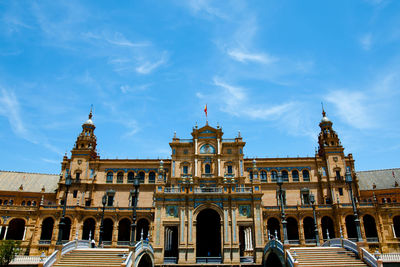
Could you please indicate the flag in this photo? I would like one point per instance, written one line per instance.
(205, 110)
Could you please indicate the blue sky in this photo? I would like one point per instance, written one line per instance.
(149, 67)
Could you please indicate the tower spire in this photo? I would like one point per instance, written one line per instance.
(323, 111)
(91, 113)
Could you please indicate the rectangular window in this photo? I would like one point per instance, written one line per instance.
(230, 169)
(185, 169)
(78, 176)
(87, 203)
(283, 197)
(306, 198)
(110, 201)
(75, 193)
(340, 191)
(338, 175)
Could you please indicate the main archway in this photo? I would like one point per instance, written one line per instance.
(208, 234)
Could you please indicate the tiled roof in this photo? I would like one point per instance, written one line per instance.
(383, 179)
(31, 182)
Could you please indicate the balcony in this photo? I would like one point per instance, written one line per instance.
(207, 175)
(244, 190)
(208, 190)
(172, 190)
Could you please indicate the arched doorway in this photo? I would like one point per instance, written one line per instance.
(47, 229)
(145, 261)
(273, 260)
(171, 243)
(309, 233)
(124, 231)
(88, 229)
(16, 229)
(351, 227)
(67, 229)
(396, 225)
(370, 228)
(327, 226)
(108, 231)
(142, 225)
(293, 230)
(208, 234)
(273, 228)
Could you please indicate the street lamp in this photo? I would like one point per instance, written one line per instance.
(279, 181)
(103, 201)
(136, 184)
(349, 181)
(312, 200)
(61, 225)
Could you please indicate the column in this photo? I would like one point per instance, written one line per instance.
(195, 167)
(219, 167)
(218, 146)
(301, 232)
(23, 237)
(5, 233)
(195, 146)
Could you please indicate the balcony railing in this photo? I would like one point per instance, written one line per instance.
(208, 260)
(229, 175)
(172, 190)
(207, 175)
(372, 240)
(44, 242)
(244, 190)
(123, 243)
(208, 190)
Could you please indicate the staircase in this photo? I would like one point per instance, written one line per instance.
(93, 257)
(325, 257)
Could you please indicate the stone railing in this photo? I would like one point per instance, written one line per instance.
(26, 260)
(391, 257)
(172, 190)
(289, 259)
(128, 261)
(244, 190)
(49, 261)
(208, 190)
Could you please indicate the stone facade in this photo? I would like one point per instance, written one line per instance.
(208, 200)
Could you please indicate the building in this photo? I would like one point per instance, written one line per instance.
(208, 200)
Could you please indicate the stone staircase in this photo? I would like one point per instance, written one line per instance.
(93, 257)
(325, 257)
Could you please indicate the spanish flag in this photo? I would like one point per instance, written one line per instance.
(205, 110)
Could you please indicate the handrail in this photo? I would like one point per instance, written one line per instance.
(369, 258)
(274, 244)
(71, 245)
(290, 260)
(49, 261)
(128, 261)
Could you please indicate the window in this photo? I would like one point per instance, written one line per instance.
(295, 175)
(152, 177)
(305, 196)
(185, 151)
(78, 176)
(173, 151)
(251, 175)
(110, 200)
(274, 175)
(185, 169)
(285, 176)
(340, 191)
(207, 168)
(229, 151)
(120, 177)
(1, 202)
(87, 203)
(306, 176)
(141, 177)
(263, 176)
(230, 169)
(109, 178)
(75, 193)
(283, 196)
(240, 151)
(338, 175)
(29, 202)
(130, 177)
(207, 149)
(23, 203)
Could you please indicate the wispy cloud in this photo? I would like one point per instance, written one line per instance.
(206, 7)
(148, 67)
(10, 108)
(244, 57)
(366, 41)
(130, 89)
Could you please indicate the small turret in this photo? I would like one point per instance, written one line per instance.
(86, 141)
(328, 138)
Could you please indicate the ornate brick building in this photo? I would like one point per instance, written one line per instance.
(207, 201)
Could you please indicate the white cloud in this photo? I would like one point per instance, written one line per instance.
(147, 67)
(206, 7)
(10, 108)
(130, 89)
(366, 41)
(352, 108)
(243, 56)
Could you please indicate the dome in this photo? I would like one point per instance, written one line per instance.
(325, 119)
(89, 121)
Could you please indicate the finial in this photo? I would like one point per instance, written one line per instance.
(91, 113)
(239, 134)
(196, 125)
(323, 111)
(217, 124)
(174, 134)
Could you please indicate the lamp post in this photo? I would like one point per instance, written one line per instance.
(279, 181)
(61, 225)
(349, 181)
(103, 201)
(312, 200)
(136, 184)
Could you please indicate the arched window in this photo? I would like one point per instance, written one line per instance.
(131, 175)
(47, 229)
(34, 203)
(274, 175)
(109, 178)
(120, 177)
(295, 175)
(23, 203)
(141, 177)
(263, 176)
(306, 175)
(229, 169)
(27, 203)
(1, 201)
(152, 177)
(285, 176)
(207, 168)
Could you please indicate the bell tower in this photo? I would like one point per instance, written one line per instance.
(328, 139)
(86, 141)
